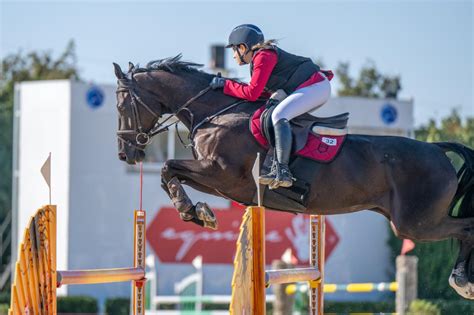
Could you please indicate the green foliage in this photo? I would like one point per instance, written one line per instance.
(370, 83)
(117, 306)
(454, 307)
(438, 259)
(4, 309)
(451, 128)
(78, 304)
(438, 307)
(423, 307)
(5, 297)
(25, 67)
(358, 307)
(16, 68)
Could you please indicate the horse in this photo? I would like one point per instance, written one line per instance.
(412, 183)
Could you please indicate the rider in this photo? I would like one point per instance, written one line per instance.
(273, 69)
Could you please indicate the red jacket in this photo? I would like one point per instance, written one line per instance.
(263, 63)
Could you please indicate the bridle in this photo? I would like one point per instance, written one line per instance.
(143, 137)
(125, 85)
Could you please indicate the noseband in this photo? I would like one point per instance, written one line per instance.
(142, 137)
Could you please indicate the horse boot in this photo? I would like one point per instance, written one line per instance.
(283, 141)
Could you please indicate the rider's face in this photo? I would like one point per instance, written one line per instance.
(247, 57)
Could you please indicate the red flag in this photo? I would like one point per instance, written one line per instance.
(407, 246)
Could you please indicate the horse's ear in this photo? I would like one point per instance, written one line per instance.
(130, 67)
(118, 71)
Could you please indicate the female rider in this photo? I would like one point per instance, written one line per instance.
(273, 69)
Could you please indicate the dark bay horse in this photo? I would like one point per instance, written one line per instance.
(412, 183)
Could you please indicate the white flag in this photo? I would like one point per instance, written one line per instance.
(46, 170)
(256, 175)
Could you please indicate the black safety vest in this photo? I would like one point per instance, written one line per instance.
(289, 72)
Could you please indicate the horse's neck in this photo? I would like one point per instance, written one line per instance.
(205, 106)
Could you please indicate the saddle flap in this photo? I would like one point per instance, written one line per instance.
(335, 122)
(306, 123)
(320, 130)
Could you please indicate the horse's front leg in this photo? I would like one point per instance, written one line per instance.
(174, 173)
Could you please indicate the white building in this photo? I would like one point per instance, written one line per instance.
(96, 193)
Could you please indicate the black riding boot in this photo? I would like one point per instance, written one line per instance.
(280, 174)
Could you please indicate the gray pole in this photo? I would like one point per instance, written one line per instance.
(15, 177)
(407, 279)
(283, 303)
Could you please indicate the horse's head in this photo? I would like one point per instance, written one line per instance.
(166, 86)
(139, 109)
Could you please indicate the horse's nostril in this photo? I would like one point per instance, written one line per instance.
(122, 156)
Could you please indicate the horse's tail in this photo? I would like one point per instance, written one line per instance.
(464, 196)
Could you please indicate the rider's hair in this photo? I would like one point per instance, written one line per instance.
(268, 44)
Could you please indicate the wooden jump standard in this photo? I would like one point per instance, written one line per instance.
(36, 277)
(250, 278)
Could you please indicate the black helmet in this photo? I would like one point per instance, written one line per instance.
(247, 34)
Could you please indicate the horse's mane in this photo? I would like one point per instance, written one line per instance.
(170, 64)
(174, 65)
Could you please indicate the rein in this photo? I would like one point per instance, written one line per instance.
(158, 127)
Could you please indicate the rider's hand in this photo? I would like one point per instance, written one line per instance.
(217, 83)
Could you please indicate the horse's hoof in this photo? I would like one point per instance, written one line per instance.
(459, 275)
(458, 280)
(186, 216)
(204, 213)
(466, 292)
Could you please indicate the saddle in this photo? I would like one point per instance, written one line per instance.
(316, 141)
(317, 138)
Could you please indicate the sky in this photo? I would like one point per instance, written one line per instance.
(428, 43)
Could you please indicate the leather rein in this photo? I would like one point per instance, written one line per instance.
(143, 137)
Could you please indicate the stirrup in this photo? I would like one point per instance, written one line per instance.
(270, 177)
(284, 177)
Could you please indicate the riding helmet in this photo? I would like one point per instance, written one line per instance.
(247, 34)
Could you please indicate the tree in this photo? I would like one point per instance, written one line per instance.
(370, 83)
(24, 67)
(452, 128)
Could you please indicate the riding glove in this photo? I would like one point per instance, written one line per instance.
(217, 83)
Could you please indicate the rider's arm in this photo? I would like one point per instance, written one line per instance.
(263, 64)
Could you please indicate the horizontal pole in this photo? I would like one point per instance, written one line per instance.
(291, 275)
(100, 276)
(349, 287)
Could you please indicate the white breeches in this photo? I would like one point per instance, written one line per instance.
(302, 101)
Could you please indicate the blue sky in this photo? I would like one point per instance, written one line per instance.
(428, 43)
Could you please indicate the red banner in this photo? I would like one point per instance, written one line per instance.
(176, 241)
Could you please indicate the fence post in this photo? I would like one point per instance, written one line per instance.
(407, 279)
